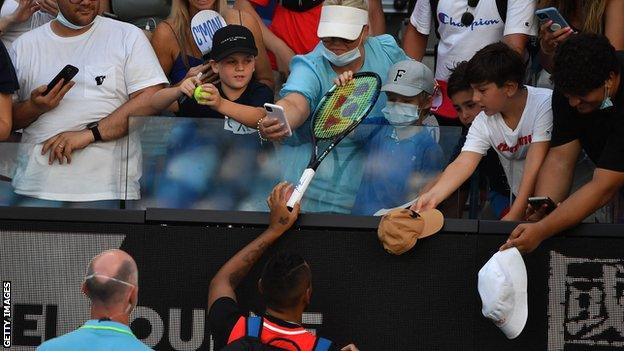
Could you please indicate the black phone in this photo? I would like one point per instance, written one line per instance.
(67, 73)
(538, 202)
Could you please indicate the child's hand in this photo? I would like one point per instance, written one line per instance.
(188, 86)
(344, 78)
(210, 96)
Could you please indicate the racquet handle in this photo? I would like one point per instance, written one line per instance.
(297, 194)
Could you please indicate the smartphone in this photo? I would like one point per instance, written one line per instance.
(551, 13)
(277, 111)
(67, 73)
(538, 201)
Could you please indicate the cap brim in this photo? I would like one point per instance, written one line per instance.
(516, 322)
(228, 52)
(401, 89)
(433, 219)
(512, 259)
(339, 30)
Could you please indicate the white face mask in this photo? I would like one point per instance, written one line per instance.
(400, 114)
(344, 59)
(606, 102)
(65, 22)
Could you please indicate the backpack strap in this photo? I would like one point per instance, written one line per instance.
(254, 327)
(322, 344)
(501, 5)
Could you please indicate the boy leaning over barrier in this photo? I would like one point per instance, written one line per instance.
(516, 120)
(404, 154)
(237, 95)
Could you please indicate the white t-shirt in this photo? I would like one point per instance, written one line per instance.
(512, 145)
(13, 32)
(115, 59)
(459, 43)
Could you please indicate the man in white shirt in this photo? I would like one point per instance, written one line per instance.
(75, 146)
(463, 29)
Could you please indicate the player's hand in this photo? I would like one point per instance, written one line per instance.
(426, 201)
(526, 237)
(49, 6)
(550, 40)
(350, 347)
(188, 86)
(344, 78)
(49, 102)
(62, 145)
(273, 129)
(281, 219)
(24, 10)
(210, 96)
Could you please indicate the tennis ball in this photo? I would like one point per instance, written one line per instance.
(199, 94)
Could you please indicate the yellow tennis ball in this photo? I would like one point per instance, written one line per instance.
(199, 94)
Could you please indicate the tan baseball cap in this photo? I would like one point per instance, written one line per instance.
(400, 229)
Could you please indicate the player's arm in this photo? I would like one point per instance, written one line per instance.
(534, 159)
(451, 179)
(236, 268)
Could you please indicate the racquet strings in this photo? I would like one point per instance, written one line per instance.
(346, 106)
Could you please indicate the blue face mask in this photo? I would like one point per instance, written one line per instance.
(400, 114)
(65, 22)
(341, 60)
(606, 102)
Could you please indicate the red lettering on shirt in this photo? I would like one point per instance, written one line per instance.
(522, 140)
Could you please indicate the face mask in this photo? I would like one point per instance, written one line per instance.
(606, 102)
(65, 22)
(400, 114)
(341, 60)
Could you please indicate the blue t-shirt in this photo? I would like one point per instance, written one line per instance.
(392, 165)
(96, 335)
(337, 179)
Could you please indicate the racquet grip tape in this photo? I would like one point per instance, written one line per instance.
(301, 187)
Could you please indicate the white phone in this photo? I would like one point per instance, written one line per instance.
(277, 111)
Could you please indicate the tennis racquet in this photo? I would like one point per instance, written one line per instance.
(341, 109)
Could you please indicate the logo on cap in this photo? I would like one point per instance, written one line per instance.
(399, 74)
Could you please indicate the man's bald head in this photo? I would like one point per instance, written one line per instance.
(115, 264)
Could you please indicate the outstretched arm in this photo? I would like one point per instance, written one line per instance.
(233, 271)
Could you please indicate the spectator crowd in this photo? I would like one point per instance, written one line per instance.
(530, 95)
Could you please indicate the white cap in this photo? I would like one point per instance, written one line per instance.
(503, 290)
(341, 22)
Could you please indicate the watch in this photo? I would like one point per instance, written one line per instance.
(93, 127)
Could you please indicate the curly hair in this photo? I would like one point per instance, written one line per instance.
(583, 63)
(496, 63)
(285, 278)
(458, 80)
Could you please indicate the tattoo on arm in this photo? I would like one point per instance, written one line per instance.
(248, 261)
(283, 220)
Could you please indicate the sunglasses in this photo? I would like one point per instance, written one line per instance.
(467, 18)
